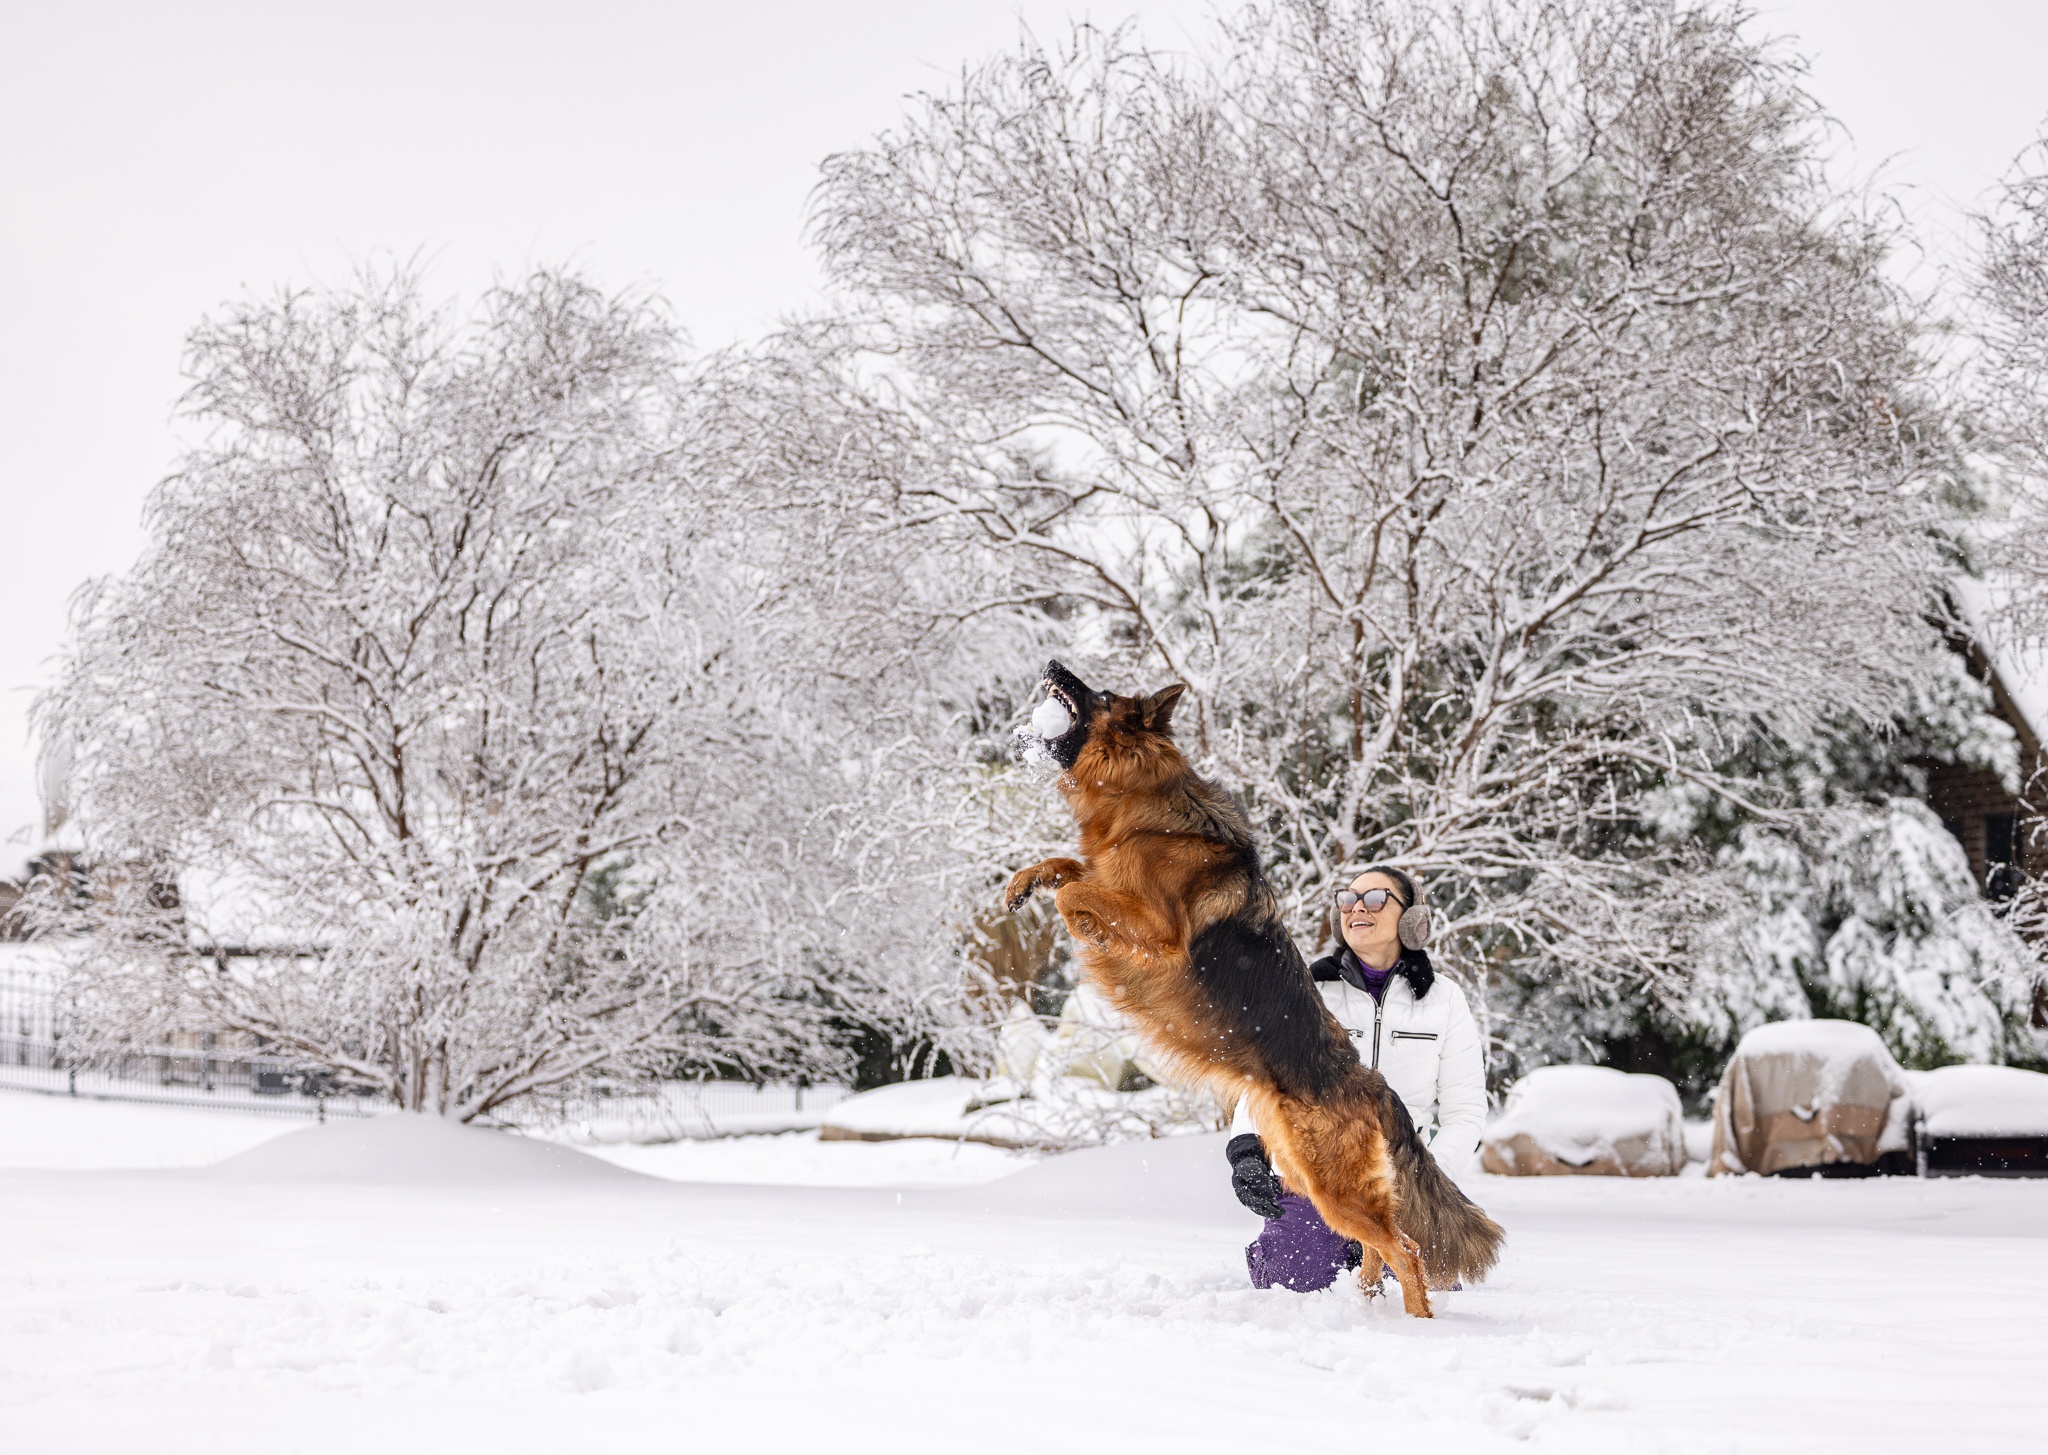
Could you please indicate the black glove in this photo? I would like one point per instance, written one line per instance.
(1251, 1175)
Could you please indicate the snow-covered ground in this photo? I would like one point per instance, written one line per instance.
(79, 1135)
(83, 1134)
(333, 1288)
(800, 1159)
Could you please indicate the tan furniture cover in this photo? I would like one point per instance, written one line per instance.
(1806, 1094)
(1521, 1156)
(1586, 1121)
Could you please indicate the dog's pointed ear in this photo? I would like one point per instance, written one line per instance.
(1159, 707)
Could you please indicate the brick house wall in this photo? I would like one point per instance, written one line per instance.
(1996, 826)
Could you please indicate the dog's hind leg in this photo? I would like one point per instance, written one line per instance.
(1365, 1211)
(1335, 1153)
(1385, 1243)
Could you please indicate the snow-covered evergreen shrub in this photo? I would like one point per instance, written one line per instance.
(1870, 914)
(1851, 901)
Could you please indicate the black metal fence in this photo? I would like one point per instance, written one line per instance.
(142, 1078)
(33, 1057)
(680, 1110)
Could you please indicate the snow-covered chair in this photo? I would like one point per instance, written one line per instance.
(1080, 1081)
(1988, 1120)
(1587, 1121)
(1090, 1040)
(1095, 1041)
(1020, 1040)
(1810, 1094)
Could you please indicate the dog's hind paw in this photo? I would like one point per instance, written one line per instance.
(1086, 926)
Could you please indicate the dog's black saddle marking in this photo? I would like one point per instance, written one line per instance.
(1259, 985)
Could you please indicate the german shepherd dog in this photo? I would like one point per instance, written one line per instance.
(1176, 923)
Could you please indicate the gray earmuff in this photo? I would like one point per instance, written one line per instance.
(1414, 924)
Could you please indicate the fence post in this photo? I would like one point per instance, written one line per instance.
(71, 1077)
(320, 1109)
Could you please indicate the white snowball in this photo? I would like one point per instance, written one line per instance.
(1050, 721)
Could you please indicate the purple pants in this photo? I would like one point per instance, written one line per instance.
(1296, 1250)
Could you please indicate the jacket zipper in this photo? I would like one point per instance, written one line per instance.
(1379, 1008)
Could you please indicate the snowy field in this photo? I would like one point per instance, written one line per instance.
(327, 1288)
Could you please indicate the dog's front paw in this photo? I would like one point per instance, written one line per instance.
(1022, 884)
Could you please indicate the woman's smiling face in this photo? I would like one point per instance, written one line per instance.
(1374, 934)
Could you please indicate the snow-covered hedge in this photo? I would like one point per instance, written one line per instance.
(1587, 1121)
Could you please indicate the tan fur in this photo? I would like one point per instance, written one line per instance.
(1166, 856)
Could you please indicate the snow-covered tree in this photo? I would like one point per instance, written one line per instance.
(1487, 407)
(463, 686)
(2007, 306)
(921, 677)
(2010, 313)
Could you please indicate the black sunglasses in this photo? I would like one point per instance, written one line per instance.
(1374, 900)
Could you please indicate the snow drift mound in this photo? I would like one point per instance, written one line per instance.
(408, 1150)
(1169, 1179)
(1588, 1121)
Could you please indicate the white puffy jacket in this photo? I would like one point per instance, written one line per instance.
(1426, 1047)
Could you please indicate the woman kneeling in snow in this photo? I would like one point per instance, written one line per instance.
(1414, 1029)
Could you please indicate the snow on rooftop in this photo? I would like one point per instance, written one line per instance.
(42, 959)
(235, 909)
(2021, 662)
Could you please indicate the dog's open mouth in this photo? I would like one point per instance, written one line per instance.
(1058, 726)
(1055, 715)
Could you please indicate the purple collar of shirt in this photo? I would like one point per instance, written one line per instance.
(1362, 975)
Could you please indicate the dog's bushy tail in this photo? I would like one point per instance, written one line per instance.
(1459, 1241)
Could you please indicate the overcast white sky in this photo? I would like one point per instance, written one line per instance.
(158, 159)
